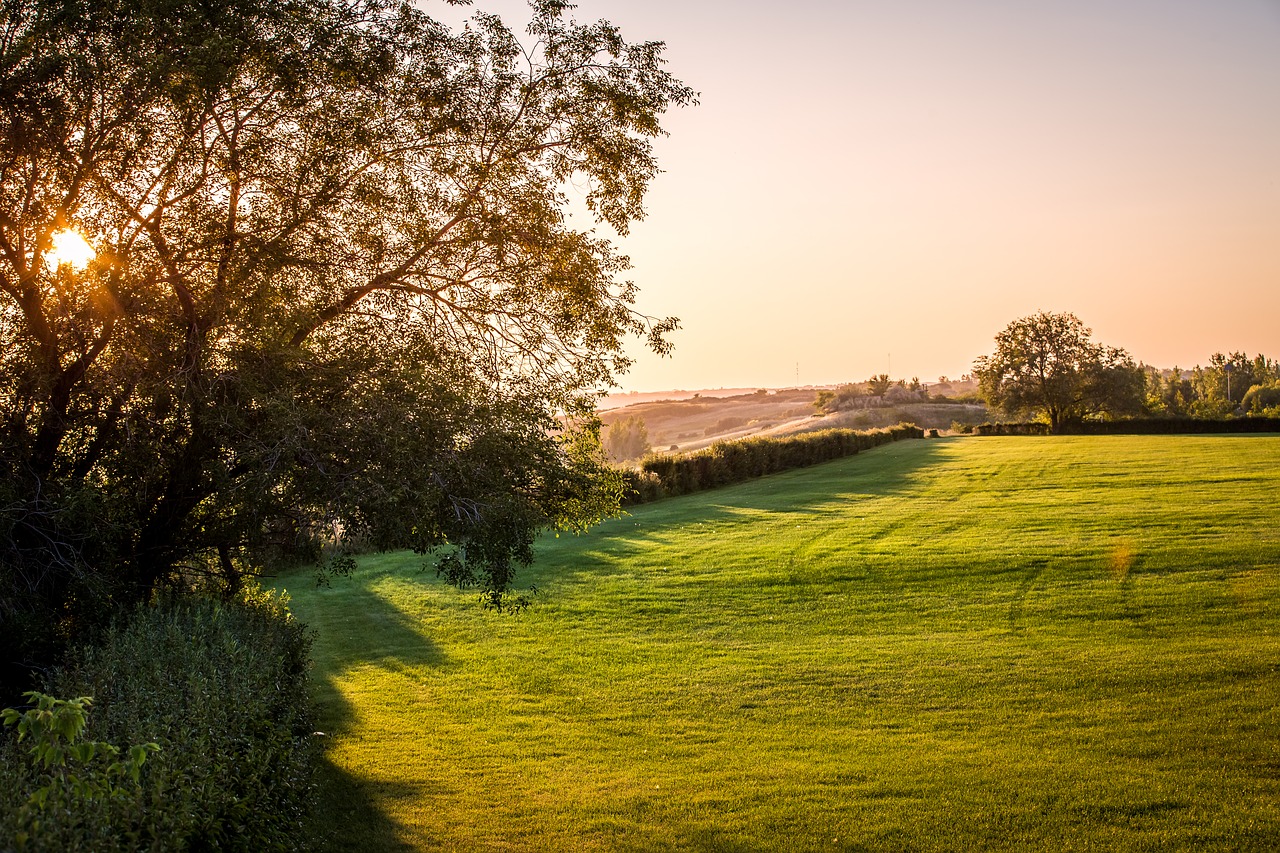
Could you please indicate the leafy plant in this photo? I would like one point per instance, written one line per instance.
(221, 687)
(72, 775)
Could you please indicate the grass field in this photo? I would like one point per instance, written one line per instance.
(1009, 643)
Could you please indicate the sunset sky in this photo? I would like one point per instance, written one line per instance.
(882, 186)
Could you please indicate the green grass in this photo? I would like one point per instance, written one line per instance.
(1059, 643)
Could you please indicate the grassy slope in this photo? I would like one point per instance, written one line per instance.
(1064, 643)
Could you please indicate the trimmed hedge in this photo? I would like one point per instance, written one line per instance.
(1030, 428)
(729, 462)
(222, 689)
(1139, 426)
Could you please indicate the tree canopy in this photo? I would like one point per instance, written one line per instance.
(1047, 365)
(627, 439)
(335, 292)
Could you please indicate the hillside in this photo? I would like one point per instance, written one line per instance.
(698, 420)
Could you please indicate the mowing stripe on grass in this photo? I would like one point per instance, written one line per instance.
(961, 643)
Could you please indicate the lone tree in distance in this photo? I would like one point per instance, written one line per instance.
(1047, 365)
(334, 288)
(627, 439)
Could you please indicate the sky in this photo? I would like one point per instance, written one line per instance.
(880, 187)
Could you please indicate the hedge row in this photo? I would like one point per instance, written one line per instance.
(729, 462)
(1138, 426)
(222, 690)
(1031, 428)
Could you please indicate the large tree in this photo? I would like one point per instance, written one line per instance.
(1048, 365)
(336, 290)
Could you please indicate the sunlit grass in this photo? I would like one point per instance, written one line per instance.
(1065, 643)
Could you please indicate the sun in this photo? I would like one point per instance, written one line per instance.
(70, 247)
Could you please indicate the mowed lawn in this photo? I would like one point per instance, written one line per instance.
(951, 644)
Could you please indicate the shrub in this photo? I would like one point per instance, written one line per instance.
(735, 461)
(81, 793)
(1028, 428)
(221, 688)
(1138, 426)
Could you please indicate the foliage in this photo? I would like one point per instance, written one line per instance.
(1171, 395)
(962, 644)
(222, 690)
(879, 385)
(728, 462)
(627, 439)
(1047, 365)
(841, 399)
(1228, 378)
(335, 295)
(1230, 386)
(1263, 400)
(86, 780)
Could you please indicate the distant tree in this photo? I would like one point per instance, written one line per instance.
(1169, 395)
(841, 399)
(1262, 400)
(1228, 378)
(878, 385)
(1265, 370)
(627, 439)
(1047, 365)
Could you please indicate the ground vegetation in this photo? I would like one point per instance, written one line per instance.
(190, 727)
(952, 644)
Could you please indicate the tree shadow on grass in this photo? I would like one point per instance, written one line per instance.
(362, 628)
(811, 490)
(348, 817)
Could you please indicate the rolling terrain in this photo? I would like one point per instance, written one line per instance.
(685, 422)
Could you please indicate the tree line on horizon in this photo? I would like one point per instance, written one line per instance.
(1047, 366)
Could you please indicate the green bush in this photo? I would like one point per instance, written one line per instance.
(221, 688)
(1138, 426)
(81, 794)
(735, 461)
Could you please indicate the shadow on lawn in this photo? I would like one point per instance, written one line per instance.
(368, 630)
(348, 818)
(813, 490)
(365, 630)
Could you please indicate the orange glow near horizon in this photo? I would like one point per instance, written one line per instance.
(910, 177)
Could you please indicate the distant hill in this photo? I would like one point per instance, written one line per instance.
(683, 421)
(631, 398)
